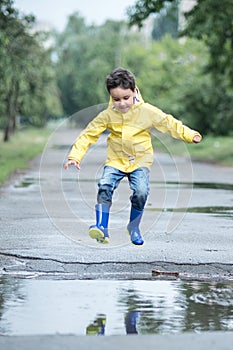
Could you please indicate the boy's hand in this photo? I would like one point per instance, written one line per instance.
(197, 139)
(72, 162)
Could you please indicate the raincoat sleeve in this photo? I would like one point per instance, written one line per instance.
(166, 123)
(88, 137)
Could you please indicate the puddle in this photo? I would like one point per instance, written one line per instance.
(113, 307)
(171, 184)
(213, 186)
(27, 182)
(60, 147)
(204, 185)
(221, 210)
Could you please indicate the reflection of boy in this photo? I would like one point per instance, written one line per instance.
(129, 152)
(131, 320)
(97, 327)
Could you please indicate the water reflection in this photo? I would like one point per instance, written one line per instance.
(97, 327)
(110, 307)
(131, 321)
(160, 306)
(10, 293)
(207, 314)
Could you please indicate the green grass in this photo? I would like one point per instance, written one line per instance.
(213, 149)
(20, 149)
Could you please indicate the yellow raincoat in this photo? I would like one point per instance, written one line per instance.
(129, 142)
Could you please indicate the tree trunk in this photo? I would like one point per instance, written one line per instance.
(6, 134)
(12, 100)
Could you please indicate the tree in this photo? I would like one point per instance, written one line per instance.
(86, 54)
(10, 29)
(211, 22)
(26, 70)
(143, 9)
(169, 75)
(166, 22)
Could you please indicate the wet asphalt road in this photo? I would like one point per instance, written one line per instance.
(215, 340)
(45, 214)
(187, 227)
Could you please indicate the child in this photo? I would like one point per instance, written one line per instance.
(129, 150)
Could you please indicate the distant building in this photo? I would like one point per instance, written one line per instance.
(45, 27)
(185, 6)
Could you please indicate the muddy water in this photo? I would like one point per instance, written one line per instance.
(113, 307)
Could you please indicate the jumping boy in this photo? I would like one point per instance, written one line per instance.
(129, 150)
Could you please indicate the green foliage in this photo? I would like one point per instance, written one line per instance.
(166, 22)
(143, 8)
(189, 78)
(166, 71)
(27, 76)
(210, 21)
(167, 74)
(85, 56)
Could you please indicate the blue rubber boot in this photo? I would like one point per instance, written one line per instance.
(133, 226)
(99, 231)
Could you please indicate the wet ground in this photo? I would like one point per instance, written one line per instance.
(187, 227)
(115, 308)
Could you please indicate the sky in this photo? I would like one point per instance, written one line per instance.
(56, 12)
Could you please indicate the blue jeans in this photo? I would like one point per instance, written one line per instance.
(138, 182)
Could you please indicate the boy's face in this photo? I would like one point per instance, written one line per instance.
(123, 99)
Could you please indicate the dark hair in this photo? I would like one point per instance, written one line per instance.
(120, 77)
